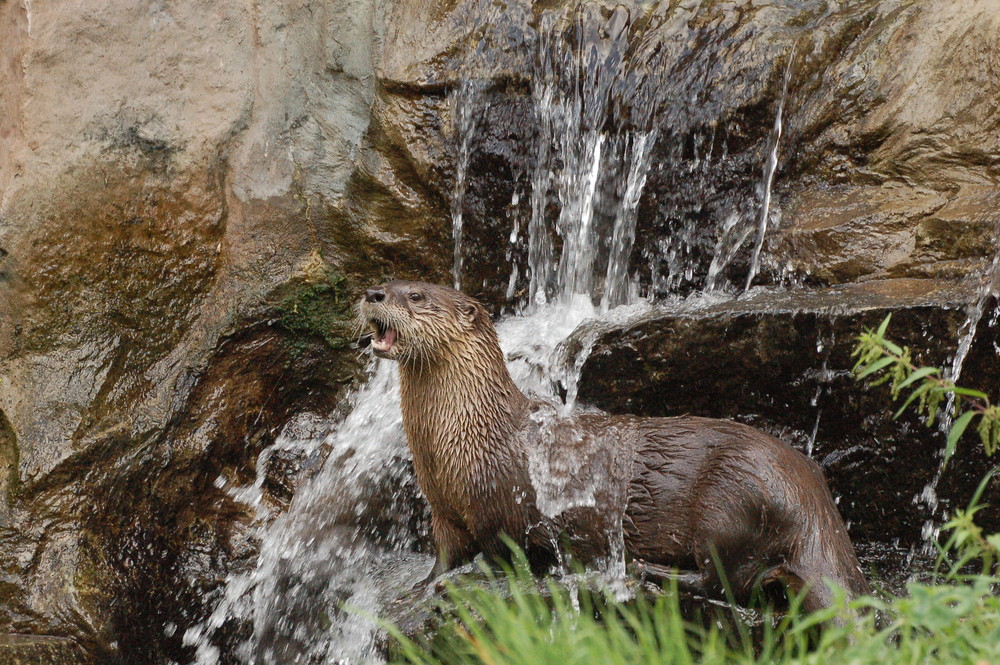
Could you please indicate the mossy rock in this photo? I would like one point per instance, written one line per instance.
(317, 303)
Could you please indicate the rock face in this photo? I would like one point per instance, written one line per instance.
(189, 205)
(191, 196)
(30, 650)
(882, 170)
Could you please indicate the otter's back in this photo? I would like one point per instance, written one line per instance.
(701, 482)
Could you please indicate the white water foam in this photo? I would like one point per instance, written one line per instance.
(314, 559)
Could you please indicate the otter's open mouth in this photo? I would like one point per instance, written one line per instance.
(383, 337)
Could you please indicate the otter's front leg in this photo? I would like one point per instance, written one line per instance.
(454, 545)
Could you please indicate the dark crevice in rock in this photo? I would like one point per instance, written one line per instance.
(8, 465)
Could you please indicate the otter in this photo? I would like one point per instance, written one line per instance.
(726, 502)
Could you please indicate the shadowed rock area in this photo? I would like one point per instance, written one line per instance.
(192, 196)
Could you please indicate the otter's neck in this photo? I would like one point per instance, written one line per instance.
(460, 411)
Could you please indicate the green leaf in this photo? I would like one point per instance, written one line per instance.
(919, 374)
(974, 504)
(989, 430)
(970, 393)
(957, 429)
(894, 349)
(885, 325)
(875, 367)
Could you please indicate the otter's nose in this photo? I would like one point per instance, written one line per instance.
(376, 294)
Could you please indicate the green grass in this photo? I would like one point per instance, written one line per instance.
(521, 624)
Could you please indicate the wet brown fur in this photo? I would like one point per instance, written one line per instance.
(696, 490)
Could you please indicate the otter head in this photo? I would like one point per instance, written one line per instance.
(415, 322)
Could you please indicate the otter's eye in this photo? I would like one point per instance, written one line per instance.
(416, 297)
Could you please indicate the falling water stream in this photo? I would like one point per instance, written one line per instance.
(313, 558)
(989, 287)
(465, 102)
(768, 181)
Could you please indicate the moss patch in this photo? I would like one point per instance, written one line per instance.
(318, 306)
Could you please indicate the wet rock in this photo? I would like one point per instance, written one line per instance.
(780, 361)
(180, 248)
(39, 650)
(915, 132)
(850, 234)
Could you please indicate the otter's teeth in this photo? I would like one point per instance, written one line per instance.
(385, 342)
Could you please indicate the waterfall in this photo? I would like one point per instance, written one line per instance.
(616, 282)
(576, 97)
(316, 558)
(323, 554)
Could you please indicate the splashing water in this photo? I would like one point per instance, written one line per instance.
(318, 557)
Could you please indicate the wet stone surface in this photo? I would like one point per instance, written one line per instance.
(39, 650)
